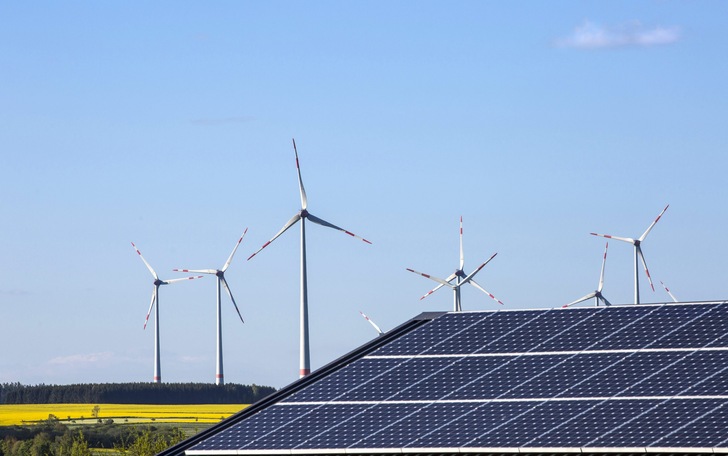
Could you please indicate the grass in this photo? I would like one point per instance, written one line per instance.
(25, 414)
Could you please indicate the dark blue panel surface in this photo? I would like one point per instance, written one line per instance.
(590, 423)
(649, 427)
(589, 377)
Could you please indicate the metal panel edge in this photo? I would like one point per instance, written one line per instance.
(181, 447)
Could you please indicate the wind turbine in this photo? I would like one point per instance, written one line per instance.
(302, 215)
(637, 254)
(155, 300)
(376, 328)
(220, 273)
(674, 299)
(461, 277)
(597, 294)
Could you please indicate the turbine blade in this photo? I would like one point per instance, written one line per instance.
(606, 303)
(431, 291)
(475, 284)
(601, 275)
(288, 224)
(321, 222)
(582, 299)
(370, 321)
(182, 279)
(300, 181)
(617, 238)
(472, 274)
(154, 295)
(462, 258)
(674, 299)
(197, 271)
(644, 263)
(230, 258)
(449, 279)
(647, 231)
(230, 293)
(436, 279)
(154, 274)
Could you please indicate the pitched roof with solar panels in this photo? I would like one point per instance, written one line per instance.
(620, 379)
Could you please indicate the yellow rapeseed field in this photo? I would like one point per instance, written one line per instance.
(11, 414)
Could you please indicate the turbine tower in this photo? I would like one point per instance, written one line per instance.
(220, 273)
(597, 294)
(302, 215)
(637, 243)
(155, 300)
(461, 277)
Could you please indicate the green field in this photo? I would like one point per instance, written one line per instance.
(25, 414)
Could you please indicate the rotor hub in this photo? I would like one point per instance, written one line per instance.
(304, 213)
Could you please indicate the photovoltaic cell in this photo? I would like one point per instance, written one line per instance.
(622, 376)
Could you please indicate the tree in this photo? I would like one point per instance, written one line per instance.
(80, 446)
(95, 411)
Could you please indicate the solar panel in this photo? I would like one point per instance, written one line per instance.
(648, 376)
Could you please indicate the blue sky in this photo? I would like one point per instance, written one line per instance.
(170, 125)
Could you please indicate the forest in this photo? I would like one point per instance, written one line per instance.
(133, 393)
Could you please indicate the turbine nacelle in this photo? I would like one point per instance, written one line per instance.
(638, 255)
(460, 274)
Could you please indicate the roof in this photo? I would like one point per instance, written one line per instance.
(620, 379)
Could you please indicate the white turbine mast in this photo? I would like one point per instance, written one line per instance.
(597, 294)
(155, 300)
(461, 277)
(638, 255)
(302, 215)
(220, 273)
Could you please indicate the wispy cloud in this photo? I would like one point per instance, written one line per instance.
(82, 358)
(189, 359)
(14, 292)
(594, 36)
(222, 120)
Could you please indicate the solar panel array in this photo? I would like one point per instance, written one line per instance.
(649, 376)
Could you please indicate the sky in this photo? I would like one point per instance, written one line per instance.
(169, 124)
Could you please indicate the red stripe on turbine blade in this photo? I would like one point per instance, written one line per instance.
(368, 242)
(349, 233)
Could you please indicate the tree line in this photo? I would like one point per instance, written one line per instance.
(53, 438)
(133, 393)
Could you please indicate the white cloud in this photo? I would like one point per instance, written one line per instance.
(82, 358)
(594, 36)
